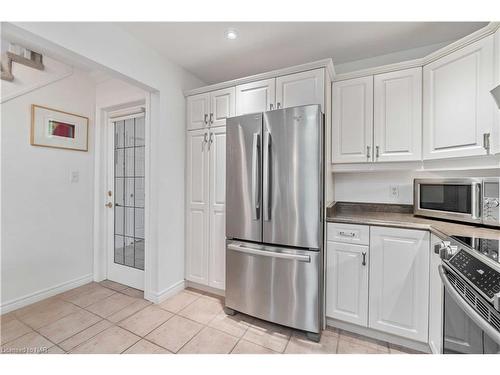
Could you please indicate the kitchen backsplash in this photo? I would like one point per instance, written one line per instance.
(390, 187)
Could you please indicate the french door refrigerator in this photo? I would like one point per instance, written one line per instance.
(274, 208)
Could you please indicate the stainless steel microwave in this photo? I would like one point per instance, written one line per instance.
(472, 200)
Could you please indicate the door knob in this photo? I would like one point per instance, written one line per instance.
(109, 205)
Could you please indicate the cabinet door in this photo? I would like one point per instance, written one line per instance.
(399, 282)
(198, 108)
(217, 251)
(458, 108)
(347, 282)
(301, 89)
(197, 220)
(435, 300)
(352, 120)
(255, 97)
(397, 127)
(222, 106)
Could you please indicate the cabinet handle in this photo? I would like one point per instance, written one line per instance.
(211, 118)
(205, 119)
(486, 142)
(368, 152)
(363, 262)
(349, 234)
(210, 141)
(271, 106)
(204, 142)
(278, 105)
(377, 151)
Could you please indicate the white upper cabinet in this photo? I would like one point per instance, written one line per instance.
(352, 120)
(217, 191)
(198, 109)
(347, 282)
(458, 108)
(301, 89)
(255, 96)
(399, 282)
(222, 106)
(397, 129)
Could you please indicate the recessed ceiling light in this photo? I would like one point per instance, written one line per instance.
(231, 34)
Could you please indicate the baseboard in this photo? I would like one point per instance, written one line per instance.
(205, 288)
(28, 299)
(166, 293)
(374, 334)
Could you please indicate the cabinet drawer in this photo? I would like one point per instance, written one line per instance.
(350, 233)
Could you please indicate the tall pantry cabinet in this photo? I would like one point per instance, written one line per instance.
(206, 179)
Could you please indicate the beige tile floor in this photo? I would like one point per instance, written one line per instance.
(108, 317)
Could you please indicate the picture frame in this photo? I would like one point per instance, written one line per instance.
(54, 128)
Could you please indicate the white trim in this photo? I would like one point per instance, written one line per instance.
(325, 63)
(166, 293)
(489, 29)
(205, 288)
(39, 85)
(452, 164)
(28, 299)
(378, 335)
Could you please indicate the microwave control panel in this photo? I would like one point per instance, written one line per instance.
(491, 202)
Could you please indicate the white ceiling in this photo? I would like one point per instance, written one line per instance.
(202, 48)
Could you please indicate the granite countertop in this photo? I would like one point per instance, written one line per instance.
(401, 216)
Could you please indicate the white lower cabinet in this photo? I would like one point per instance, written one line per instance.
(205, 222)
(347, 282)
(399, 282)
(383, 286)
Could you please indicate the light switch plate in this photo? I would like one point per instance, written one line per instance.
(75, 177)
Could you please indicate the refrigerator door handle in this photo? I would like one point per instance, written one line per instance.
(256, 176)
(272, 254)
(267, 177)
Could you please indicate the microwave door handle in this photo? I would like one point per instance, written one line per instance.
(476, 200)
(256, 177)
(467, 309)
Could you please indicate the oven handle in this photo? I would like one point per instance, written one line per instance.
(471, 313)
(272, 254)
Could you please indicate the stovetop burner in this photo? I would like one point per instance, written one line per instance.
(485, 246)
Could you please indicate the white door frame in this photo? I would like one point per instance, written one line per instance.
(102, 214)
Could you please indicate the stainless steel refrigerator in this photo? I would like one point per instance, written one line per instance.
(274, 210)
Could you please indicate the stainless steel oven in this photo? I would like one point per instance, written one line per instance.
(470, 273)
(472, 200)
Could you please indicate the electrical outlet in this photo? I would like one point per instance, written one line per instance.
(394, 191)
(75, 177)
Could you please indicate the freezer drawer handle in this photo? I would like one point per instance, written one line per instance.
(256, 177)
(271, 254)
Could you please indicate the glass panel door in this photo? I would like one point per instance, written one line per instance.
(129, 192)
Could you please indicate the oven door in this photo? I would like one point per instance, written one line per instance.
(451, 199)
(465, 331)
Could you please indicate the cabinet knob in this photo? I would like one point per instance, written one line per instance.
(278, 105)
(368, 154)
(486, 142)
(271, 106)
(109, 205)
(205, 118)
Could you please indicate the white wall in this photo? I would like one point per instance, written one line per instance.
(375, 186)
(46, 219)
(107, 46)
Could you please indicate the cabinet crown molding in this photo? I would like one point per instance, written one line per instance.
(489, 29)
(325, 63)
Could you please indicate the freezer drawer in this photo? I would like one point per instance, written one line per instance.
(277, 284)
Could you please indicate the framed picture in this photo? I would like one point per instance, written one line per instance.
(58, 129)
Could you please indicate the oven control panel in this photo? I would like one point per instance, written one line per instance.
(485, 278)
